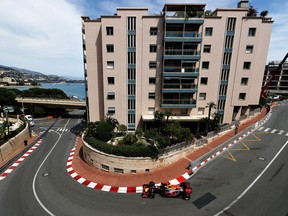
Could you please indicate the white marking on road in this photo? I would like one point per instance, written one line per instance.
(252, 184)
(34, 179)
(122, 190)
(273, 131)
(281, 132)
(260, 128)
(81, 180)
(267, 129)
(286, 134)
(174, 182)
(139, 189)
(92, 184)
(106, 188)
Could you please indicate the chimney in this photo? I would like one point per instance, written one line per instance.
(243, 4)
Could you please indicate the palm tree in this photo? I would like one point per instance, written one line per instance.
(210, 105)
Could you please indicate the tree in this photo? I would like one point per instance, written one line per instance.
(264, 13)
(210, 105)
(159, 120)
(122, 130)
(104, 131)
(111, 121)
(7, 96)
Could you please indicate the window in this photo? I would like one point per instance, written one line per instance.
(205, 65)
(244, 81)
(153, 48)
(247, 65)
(152, 80)
(249, 49)
(111, 96)
(207, 49)
(110, 80)
(252, 32)
(109, 30)
(202, 96)
(110, 64)
(152, 64)
(242, 96)
(153, 30)
(200, 111)
(204, 81)
(111, 110)
(151, 110)
(151, 95)
(110, 48)
(208, 31)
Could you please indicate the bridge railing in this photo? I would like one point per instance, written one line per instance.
(56, 101)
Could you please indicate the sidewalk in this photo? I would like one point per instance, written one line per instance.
(91, 174)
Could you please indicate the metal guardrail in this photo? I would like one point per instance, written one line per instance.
(63, 102)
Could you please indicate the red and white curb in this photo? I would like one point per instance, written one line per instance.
(20, 160)
(139, 189)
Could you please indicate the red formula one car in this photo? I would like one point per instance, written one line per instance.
(167, 190)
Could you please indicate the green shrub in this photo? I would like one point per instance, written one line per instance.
(104, 131)
(125, 150)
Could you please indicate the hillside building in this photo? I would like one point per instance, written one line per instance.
(176, 61)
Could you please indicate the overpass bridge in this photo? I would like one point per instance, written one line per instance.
(71, 103)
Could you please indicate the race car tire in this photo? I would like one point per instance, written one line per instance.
(151, 195)
(187, 197)
(151, 184)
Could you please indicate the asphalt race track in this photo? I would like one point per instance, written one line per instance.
(247, 179)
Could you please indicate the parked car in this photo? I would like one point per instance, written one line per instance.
(30, 120)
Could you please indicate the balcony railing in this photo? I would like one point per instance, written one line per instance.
(184, 14)
(189, 34)
(179, 86)
(181, 69)
(179, 101)
(190, 52)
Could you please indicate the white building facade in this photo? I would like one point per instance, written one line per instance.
(176, 62)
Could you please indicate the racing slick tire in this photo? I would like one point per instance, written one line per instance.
(151, 184)
(151, 195)
(187, 197)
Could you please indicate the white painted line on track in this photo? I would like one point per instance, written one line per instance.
(267, 129)
(252, 184)
(34, 179)
(261, 128)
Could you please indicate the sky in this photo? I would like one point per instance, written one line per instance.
(45, 35)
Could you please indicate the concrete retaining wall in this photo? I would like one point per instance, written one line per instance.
(16, 143)
(118, 164)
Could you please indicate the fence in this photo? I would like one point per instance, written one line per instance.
(204, 140)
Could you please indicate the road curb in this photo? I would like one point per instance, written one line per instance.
(138, 189)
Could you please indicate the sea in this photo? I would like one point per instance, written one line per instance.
(76, 90)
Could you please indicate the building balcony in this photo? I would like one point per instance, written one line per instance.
(178, 103)
(182, 54)
(195, 17)
(180, 36)
(179, 88)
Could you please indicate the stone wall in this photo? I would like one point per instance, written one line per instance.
(14, 144)
(118, 164)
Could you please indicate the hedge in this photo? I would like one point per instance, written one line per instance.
(124, 150)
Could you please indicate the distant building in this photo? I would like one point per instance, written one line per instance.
(279, 85)
(8, 81)
(176, 62)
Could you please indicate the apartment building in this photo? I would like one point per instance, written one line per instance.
(176, 61)
(279, 84)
